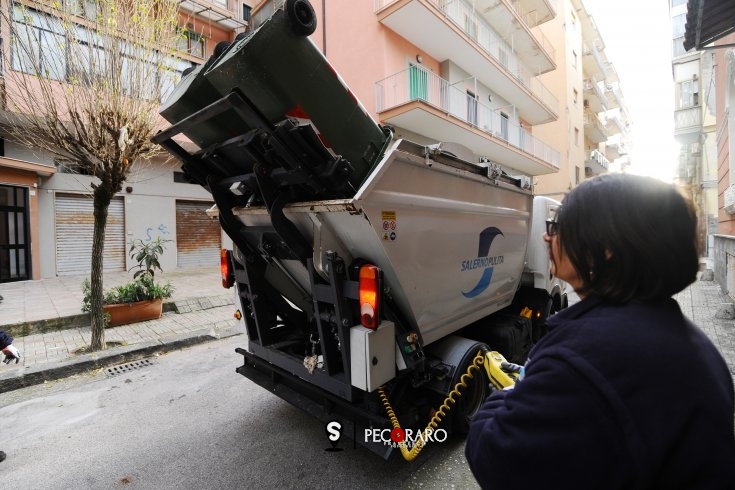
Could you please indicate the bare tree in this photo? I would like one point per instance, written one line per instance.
(84, 79)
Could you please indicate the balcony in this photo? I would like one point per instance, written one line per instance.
(688, 124)
(514, 21)
(613, 151)
(215, 11)
(593, 128)
(594, 61)
(615, 125)
(452, 30)
(421, 102)
(40, 169)
(533, 12)
(595, 97)
(596, 163)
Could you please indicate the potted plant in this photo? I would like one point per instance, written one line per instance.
(142, 298)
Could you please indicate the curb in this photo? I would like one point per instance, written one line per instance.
(21, 378)
(24, 329)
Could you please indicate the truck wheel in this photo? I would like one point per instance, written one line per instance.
(471, 400)
(460, 352)
(301, 17)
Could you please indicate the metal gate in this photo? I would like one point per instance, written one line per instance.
(74, 230)
(197, 235)
(15, 257)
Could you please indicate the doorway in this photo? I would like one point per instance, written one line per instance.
(15, 256)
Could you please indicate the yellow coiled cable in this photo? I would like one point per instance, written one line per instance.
(411, 454)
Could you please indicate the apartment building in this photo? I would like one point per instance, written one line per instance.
(709, 29)
(694, 126)
(593, 125)
(46, 213)
(525, 84)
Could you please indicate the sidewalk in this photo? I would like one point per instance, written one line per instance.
(49, 328)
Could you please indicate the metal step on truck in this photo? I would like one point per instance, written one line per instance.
(383, 284)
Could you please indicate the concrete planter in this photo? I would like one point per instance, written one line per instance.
(122, 314)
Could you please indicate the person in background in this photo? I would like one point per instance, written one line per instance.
(623, 391)
(11, 354)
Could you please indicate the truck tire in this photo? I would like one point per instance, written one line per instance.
(301, 17)
(460, 352)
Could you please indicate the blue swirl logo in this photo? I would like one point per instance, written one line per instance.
(483, 261)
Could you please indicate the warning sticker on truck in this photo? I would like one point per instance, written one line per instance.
(390, 224)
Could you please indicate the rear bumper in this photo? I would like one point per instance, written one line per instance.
(355, 418)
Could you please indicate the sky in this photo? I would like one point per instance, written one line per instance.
(638, 41)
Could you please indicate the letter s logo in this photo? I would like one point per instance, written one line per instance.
(334, 430)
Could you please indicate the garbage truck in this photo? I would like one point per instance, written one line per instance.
(383, 284)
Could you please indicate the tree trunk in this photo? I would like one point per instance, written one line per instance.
(102, 199)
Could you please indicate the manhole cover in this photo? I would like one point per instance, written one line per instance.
(128, 367)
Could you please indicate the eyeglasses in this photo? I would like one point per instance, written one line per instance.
(552, 227)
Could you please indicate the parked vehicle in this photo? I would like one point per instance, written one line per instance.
(370, 271)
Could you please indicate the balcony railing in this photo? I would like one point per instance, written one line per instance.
(530, 17)
(418, 84)
(595, 52)
(591, 119)
(592, 85)
(688, 118)
(464, 16)
(597, 157)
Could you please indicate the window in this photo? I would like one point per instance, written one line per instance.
(246, 13)
(471, 108)
(575, 96)
(675, 3)
(576, 175)
(84, 60)
(678, 25)
(574, 59)
(470, 26)
(688, 93)
(191, 43)
(576, 136)
(83, 8)
(181, 178)
(48, 52)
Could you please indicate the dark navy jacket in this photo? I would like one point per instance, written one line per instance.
(5, 340)
(614, 397)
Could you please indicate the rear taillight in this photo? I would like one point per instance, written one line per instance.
(369, 296)
(225, 264)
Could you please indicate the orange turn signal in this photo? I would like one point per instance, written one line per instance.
(225, 265)
(369, 296)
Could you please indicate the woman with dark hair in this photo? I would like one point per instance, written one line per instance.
(623, 391)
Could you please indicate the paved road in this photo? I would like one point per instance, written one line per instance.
(189, 421)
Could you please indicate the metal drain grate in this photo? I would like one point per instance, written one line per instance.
(128, 367)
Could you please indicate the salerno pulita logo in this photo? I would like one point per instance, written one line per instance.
(483, 261)
(334, 432)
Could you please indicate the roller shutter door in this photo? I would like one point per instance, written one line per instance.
(74, 229)
(197, 235)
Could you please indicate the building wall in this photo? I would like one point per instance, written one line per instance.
(150, 208)
(561, 82)
(724, 242)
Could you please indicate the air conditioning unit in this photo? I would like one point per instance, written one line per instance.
(729, 198)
